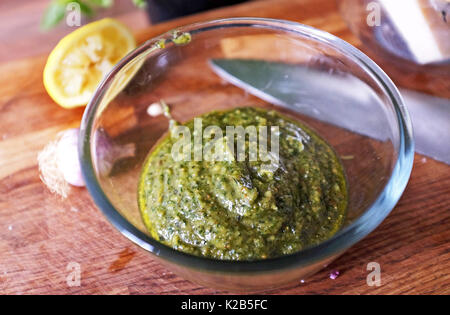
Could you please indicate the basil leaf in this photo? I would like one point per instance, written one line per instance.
(85, 9)
(53, 15)
(140, 3)
(102, 3)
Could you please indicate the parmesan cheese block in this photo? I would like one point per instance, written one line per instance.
(424, 25)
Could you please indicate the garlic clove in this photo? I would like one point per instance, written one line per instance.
(67, 157)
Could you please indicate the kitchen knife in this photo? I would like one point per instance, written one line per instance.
(339, 99)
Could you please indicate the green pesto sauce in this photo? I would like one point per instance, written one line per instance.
(237, 210)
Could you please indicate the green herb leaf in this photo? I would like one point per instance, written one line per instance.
(53, 15)
(85, 9)
(56, 11)
(102, 3)
(140, 3)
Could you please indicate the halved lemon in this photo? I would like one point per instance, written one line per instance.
(81, 59)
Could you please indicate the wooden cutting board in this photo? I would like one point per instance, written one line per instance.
(41, 235)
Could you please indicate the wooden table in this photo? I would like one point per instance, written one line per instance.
(40, 234)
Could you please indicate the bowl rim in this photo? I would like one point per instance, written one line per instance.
(341, 241)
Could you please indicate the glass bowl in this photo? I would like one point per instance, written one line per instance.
(344, 96)
(387, 45)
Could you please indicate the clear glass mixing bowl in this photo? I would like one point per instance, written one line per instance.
(344, 96)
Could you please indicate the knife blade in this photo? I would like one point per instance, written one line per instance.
(339, 99)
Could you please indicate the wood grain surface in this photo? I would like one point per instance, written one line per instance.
(40, 234)
(21, 36)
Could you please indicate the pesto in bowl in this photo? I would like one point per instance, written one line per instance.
(242, 207)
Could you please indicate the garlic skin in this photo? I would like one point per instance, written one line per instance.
(67, 157)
